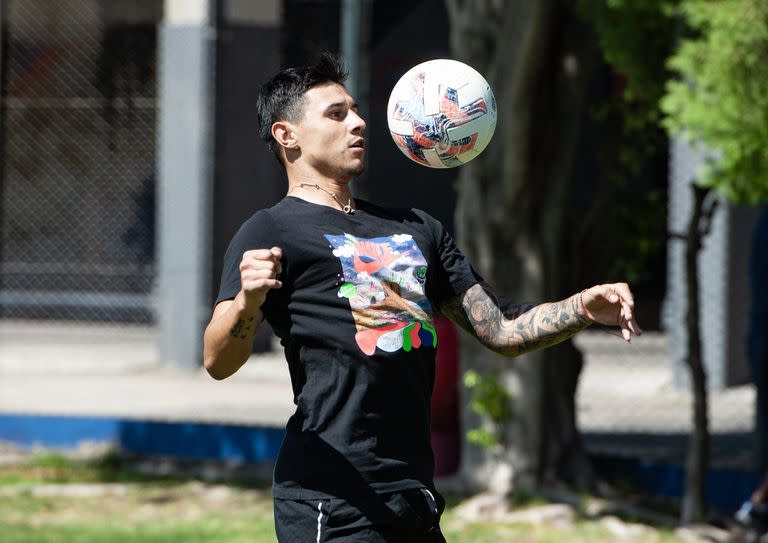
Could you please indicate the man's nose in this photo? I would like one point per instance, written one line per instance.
(358, 124)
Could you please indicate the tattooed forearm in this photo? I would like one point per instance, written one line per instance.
(514, 329)
(242, 328)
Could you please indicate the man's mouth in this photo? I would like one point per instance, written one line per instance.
(358, 144)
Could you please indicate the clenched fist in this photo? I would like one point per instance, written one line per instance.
(259, 271)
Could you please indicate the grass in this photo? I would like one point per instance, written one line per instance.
(213, 529)
(582, 531)
(54, 499)
(53, 467)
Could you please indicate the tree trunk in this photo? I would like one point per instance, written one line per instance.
(694, 504)
(538, 58)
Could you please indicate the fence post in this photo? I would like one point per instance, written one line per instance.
(3, 86)
(355, 21)
(185, 153)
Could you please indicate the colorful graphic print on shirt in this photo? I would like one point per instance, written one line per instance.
(384, 278)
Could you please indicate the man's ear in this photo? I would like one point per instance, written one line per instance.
(284, 135)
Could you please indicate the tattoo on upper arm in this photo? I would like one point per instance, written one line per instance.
(242, 328)
(511, 328)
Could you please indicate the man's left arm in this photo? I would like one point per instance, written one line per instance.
(513, 329)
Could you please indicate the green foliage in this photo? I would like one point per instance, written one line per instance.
(635, 37)
(241, 527)
(720, 98)
(646, 219)
(629, 190)
(56, 467)
(493, 403)
(54, 460)
(483, 437)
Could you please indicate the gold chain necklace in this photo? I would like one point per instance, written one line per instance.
(345, 208)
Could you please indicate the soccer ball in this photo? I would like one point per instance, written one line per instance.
(441, 113)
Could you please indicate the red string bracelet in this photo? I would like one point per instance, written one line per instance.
(583, 309)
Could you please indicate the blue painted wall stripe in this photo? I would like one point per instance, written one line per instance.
(201, 441)
(727, 489)
(183, 440)
(55, 431)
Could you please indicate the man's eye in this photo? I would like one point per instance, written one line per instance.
(337, 114)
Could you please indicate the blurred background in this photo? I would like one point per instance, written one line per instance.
(129, 155)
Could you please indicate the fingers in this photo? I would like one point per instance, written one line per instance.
(625, 332)
(260, 269)
(275, 254)
(614, 304)
(263, 254)
(629, 328)
(248, 264)
(609, 293)
(621, 294)
(251, 287)
(259, 279)
(263, 259)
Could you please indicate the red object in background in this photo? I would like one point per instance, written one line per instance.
(446, 429)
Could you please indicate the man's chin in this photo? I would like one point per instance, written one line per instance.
(346, 171)
(353, 171)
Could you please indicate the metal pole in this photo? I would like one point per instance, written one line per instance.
(185, 171)
(354, 41)
(3, 113)
(351, 19)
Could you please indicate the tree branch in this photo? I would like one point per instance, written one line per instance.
(708, 215)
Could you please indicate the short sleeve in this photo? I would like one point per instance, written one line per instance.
(258, 232)
(453, 274)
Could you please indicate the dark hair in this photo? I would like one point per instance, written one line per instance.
(281, 98)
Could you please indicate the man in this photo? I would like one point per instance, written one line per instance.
(350, 288)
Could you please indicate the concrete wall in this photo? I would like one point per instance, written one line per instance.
(724, 281)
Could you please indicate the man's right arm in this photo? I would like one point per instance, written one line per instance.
(228, 339)
(229, 335)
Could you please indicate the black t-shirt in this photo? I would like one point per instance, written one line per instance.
(355, 317)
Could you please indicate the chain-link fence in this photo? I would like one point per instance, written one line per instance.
(78, 159)
(77, 226)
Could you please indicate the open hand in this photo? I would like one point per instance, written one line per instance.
(612, 304)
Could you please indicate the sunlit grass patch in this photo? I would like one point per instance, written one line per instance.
(52, 498)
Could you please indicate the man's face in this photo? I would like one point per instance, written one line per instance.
(331, 132)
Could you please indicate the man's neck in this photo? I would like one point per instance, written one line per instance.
(321, 190)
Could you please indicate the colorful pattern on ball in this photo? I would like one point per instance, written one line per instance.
(431, 124)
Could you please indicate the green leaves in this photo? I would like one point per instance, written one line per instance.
(720, 98)
(492, 402)
(634, 36)
(713, 89)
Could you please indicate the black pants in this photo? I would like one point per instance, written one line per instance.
(401, 517)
